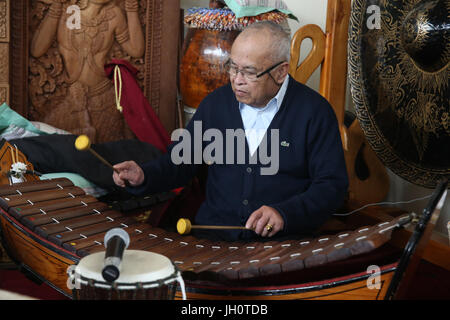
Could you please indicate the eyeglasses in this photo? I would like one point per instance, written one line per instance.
(249, 75)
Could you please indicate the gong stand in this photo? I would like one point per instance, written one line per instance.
(413, 251)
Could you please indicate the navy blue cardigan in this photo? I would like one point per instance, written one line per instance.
(311, 181)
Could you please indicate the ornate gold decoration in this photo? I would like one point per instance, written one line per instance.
(4, 62)
(4, 94)
(4, 20)
(400, 91)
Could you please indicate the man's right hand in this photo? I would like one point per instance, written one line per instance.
(128, 171)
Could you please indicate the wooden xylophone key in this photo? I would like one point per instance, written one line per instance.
(211, 256)
(84, 246)
(258, 259)
(37, 185)
(150, 239)
(31, 199)
(231, 266)
(366, 239)
(55, 216)
(51, 205)
(325, 249)
(43, 195)
(337, 249)
(248, 260)
(187, 246)
(347, 244)
(171, 245)
(170, 241)
(352, 243)
(344, 245)
(139, 233)
(73, 224)
(163, 242)
(381, 233)
(245, 261)
(199, 252)
(299, 255)
(61, 238)
(92, 244)
(307, 253)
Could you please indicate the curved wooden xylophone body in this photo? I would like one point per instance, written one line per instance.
(9, 156)
(49, 225)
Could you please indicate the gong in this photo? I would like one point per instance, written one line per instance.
(399, 70)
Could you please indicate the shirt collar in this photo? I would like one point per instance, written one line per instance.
(282, 92)
(278, 98)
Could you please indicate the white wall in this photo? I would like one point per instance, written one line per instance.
(194, 3)
(314, 11)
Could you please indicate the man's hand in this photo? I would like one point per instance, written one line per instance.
(128, 171)
(262, 219)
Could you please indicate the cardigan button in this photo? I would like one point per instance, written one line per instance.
(249, 170)
(245, 202)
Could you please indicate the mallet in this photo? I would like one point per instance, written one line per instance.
(83, 143)
(184, 226)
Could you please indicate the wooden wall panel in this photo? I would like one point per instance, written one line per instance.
(161, 59)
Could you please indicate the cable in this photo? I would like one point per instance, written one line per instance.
(381, 203)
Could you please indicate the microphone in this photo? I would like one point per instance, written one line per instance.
(116, 241)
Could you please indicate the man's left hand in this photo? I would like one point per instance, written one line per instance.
(266, 221)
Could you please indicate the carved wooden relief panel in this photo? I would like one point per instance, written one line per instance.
(62, 61)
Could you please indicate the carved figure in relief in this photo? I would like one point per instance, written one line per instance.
(89, 106)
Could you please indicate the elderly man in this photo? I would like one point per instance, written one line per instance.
(274, 112)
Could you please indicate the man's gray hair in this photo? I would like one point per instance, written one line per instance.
(281, 43)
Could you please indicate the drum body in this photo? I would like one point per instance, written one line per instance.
(144, 276)
(205, 53)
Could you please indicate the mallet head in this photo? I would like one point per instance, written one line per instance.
(183, 226)
(82, 143)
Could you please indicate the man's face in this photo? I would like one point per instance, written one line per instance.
(251, 54)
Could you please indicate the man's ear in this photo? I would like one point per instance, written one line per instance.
(282, 72)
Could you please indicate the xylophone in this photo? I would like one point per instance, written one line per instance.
(63, 214)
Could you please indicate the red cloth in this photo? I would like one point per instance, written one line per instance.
(137, 111)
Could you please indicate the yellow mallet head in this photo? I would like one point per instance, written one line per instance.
(183, 226)
(82, 143)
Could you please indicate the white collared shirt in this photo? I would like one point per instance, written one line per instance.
(257, 120)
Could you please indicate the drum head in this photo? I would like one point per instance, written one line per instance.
(137, 267)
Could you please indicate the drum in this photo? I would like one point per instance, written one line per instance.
(144, 276)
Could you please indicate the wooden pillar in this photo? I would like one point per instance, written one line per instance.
(4, 50)
(161, 59)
